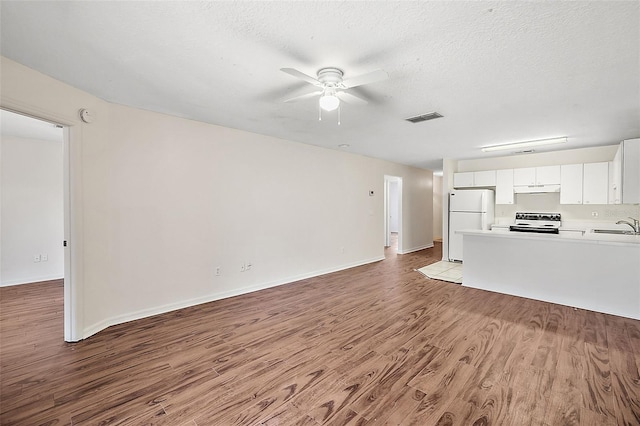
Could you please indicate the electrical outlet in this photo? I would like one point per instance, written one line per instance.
(36, 258)
(44, 257)
(218, 271)
(248, 267)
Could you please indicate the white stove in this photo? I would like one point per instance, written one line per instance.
(543, 223)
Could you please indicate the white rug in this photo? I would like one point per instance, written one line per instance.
(443, 271)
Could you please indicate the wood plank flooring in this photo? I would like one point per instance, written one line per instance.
(375, 345)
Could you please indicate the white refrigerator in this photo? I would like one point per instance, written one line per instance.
(468, 209)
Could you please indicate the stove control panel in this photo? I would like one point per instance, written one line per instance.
(555, 217)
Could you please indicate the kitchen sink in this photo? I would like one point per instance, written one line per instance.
(613, 231)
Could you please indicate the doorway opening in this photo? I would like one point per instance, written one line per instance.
(35, 209)
(393, 213)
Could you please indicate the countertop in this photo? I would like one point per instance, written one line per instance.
(570, 237)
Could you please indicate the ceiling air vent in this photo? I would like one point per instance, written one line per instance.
(424, 117)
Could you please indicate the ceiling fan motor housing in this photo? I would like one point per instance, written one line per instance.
(330, 77)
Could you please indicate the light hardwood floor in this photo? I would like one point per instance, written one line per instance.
(377, 344)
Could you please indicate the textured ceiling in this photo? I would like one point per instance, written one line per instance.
(499, 72)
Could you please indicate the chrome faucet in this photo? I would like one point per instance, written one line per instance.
(635, 225)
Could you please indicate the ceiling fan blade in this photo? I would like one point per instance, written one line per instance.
(351, 98)
(305, 96)
(302, 76)
(367, 78)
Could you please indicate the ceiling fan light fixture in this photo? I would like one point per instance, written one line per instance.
(329, 102)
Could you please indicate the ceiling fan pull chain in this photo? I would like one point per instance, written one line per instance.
(319, 113)
(339, 108)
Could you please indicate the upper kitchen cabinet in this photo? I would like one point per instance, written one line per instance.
(595, 189)
(463, 180)
(615, 178)
(485, 178)
(504, 186)
(548, 175)
(625, 179)
(524, 176)
(528, 176)
(584, 183)
(571, 184)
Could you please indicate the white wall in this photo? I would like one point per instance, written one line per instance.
(437, 207)
(417, 207)
(449, 166)
(31, 210)
(161, 201)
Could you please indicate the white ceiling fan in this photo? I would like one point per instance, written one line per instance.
(332, 86)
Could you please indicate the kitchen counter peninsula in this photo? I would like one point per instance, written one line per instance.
(599, 272)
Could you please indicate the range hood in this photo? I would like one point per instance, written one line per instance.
(535, 189)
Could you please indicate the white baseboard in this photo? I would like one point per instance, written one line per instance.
(411, 250)
(30, 280)
(132, 316)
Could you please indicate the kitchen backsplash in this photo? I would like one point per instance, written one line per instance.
(550, 202)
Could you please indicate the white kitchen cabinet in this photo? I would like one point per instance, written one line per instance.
(463, 180)
(625, 176)
(595, 186)
(571, 184)
(612, 186)
(548, 175)
(529, 176)
(631, 171)
(524, 176)
(504, 186)
(484, 178)
(615, 179)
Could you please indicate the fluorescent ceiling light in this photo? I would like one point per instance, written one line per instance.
(525, 144)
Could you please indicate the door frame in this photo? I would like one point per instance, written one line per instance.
(71, 163)
(387, 200)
